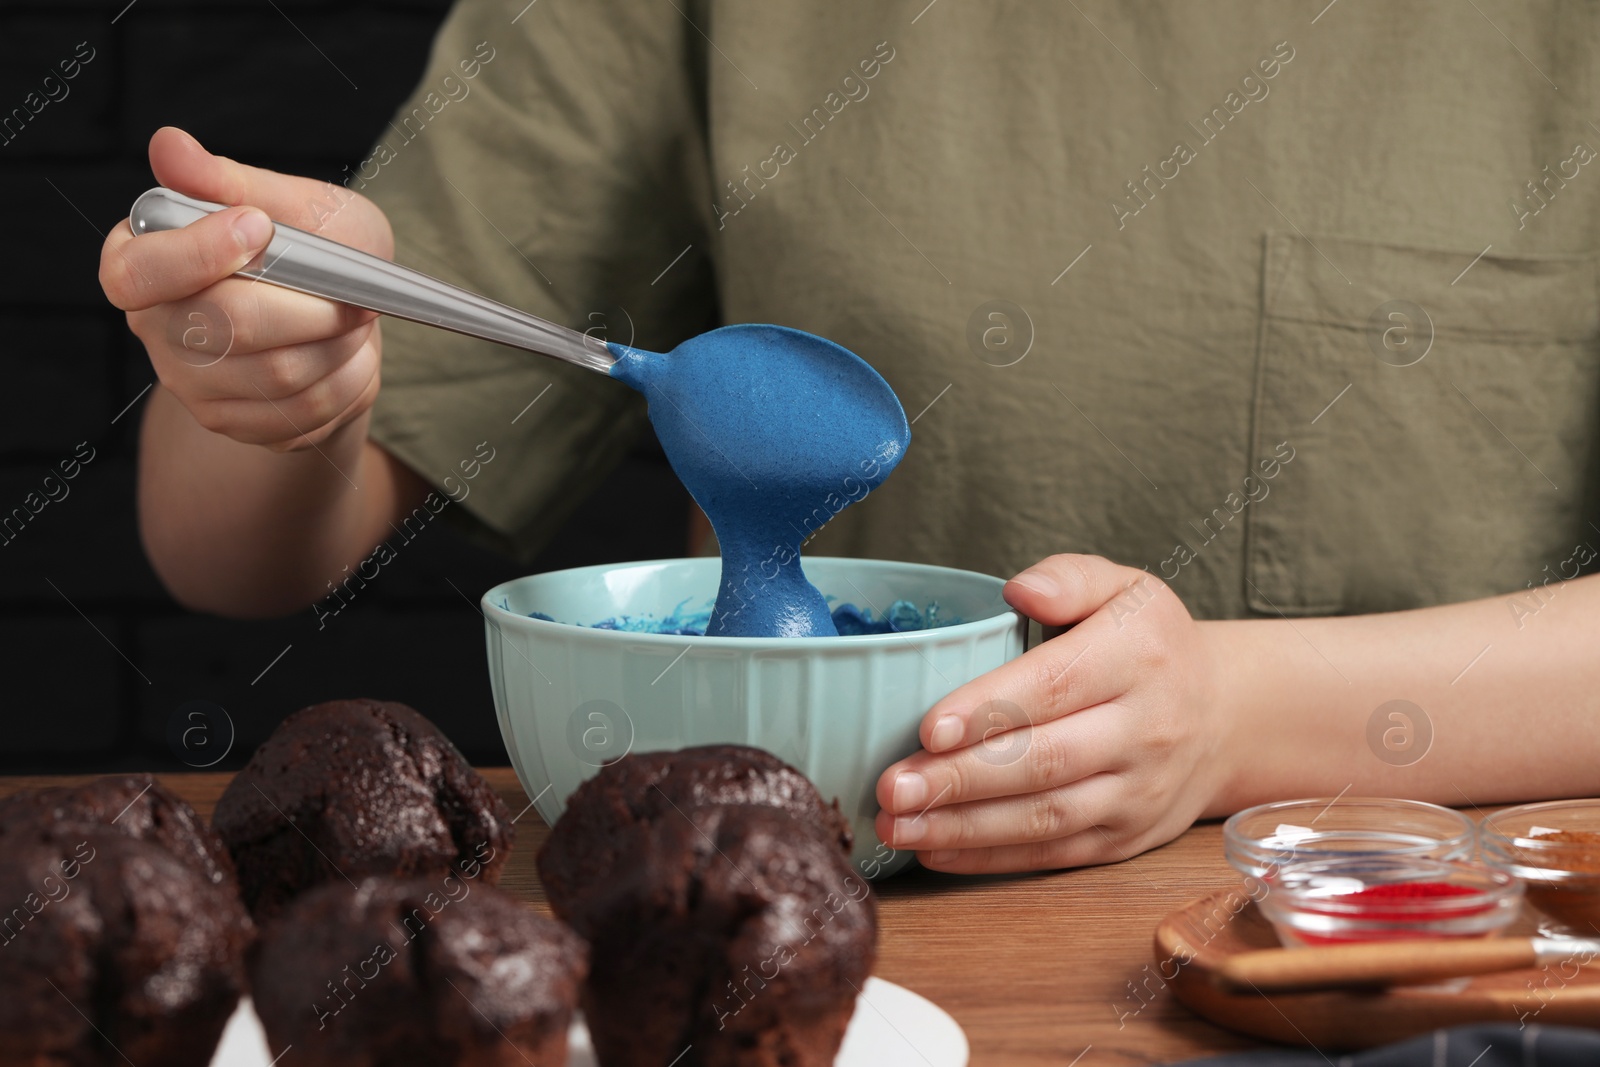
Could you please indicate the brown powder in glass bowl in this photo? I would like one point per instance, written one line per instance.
(1572, 896)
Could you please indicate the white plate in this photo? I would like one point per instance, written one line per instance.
(892, 1025)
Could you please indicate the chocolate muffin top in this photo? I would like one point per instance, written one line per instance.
(135, 805)
(642, 788)
(112, 934)
(357, 787)
(740, 894)
(421, 970)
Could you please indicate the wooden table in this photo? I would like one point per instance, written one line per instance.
(1038, 969)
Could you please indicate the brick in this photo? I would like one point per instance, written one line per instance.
(63, 698)
(187, 70)
(60, 215)
(76, 115)
(432, 660)
(87, 541)
(59, 367)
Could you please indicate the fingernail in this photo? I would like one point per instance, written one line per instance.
(946, 734)
(910, 791)
(943, 855)
(1037, 581)
(253, 228)
(909, 831)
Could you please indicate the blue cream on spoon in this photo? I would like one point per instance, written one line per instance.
(773, 431)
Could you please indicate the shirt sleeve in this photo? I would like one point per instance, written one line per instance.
(554, 160)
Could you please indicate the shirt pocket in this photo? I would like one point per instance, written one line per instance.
(1424, 422)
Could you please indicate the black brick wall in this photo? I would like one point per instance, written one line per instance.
(99, 664)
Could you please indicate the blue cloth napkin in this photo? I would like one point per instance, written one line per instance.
(1480, 1045)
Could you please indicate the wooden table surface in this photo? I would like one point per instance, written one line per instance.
(1038, 969)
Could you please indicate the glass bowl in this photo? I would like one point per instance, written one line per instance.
(1258, 840)
(1383, 898)
(1555, 848)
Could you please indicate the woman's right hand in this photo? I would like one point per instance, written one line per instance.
(257, 363)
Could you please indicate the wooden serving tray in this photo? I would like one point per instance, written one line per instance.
(1192, 942)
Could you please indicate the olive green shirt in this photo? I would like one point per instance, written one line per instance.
(1298, 310)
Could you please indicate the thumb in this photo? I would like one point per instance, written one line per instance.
(1067, 588)
(183, 164)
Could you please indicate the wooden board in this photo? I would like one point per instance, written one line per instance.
(1192, 942)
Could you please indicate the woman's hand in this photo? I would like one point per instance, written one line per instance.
(256, 363)
(1101, 742)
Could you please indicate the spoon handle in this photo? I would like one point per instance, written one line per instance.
(310, 264)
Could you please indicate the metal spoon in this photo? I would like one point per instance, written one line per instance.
(310, 264)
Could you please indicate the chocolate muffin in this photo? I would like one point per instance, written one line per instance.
(352, 788)
(438, 971)
(135, 805)
(640, 788)
(737, 933)
(715, 888)
(114, 951)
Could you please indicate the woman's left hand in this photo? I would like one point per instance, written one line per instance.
(1106, 740)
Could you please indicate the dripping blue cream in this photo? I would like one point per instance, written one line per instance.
(773, 431)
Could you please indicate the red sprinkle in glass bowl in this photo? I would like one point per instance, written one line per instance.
(1330, 902)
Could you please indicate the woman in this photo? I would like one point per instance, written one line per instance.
(1291, 317)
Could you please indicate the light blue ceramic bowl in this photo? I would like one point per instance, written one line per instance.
(571, 698)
